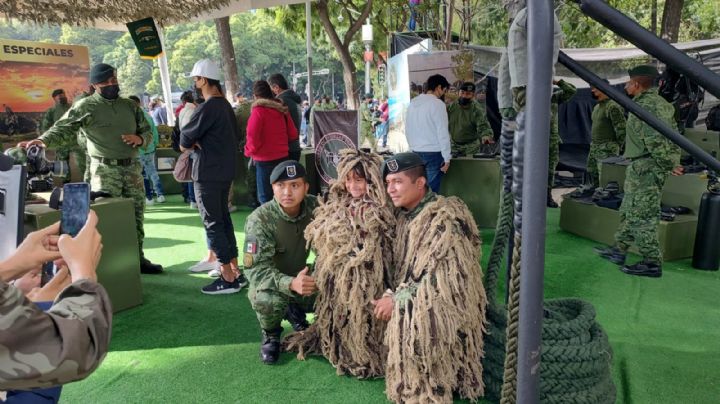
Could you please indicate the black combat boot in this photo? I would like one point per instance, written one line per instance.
(147, 267)
(643, 268)
(270, 346)
(612, 254)
(550, 201)
(296, 316)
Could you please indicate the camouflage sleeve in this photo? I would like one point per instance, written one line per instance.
(143, 128)
(482, 123)
(566, 92)
(258, 253)
(665, 153)
(46, 122)
(65, 344)
(616, 114)
(65, 130)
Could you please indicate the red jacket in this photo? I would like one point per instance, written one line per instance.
(269, 130)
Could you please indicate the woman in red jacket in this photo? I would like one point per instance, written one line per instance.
(269, 130)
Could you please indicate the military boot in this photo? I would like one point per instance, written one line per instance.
(270, 346)
(147, 267)
(643, 268)
(550, 201)
(296, 316)
(612, 254)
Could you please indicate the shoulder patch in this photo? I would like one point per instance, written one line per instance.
(250, 247)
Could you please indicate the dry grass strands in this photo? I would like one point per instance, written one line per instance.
(435, 339)
(352, 241)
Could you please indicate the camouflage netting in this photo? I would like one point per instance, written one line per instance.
(435, 338)
(352, 240)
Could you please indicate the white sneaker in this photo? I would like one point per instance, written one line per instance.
(161, 199)
(149, 202)
(203, 266)
(193, 205)
(215, 273)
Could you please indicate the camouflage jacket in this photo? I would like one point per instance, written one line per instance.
(103, 123)
(53, 115)
(608, 122)
(468, 124)
(65, 344)
(643, 141)
(275, 249)
(366, 117)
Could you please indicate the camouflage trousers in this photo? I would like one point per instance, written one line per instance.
(369, 135)
(640, 209)
(251, 183)
(271, 306)
(466, 149)
(598, 153)
(80, 157)
(122, 182)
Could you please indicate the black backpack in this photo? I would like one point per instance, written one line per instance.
(713, 119)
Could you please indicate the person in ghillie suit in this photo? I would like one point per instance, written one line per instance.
(436, 313)
(351, 234)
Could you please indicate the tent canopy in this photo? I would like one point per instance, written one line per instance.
(113, 14)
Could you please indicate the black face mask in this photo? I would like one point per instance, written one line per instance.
(198, 94)
(464, 101)
(442, 98)
(110, 92)
(594, 97)
(63, 100)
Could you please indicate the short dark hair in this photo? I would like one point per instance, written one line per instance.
(135, 98)
(437, 80)
(278, 79)
(187, 96)
(359, 171)
(214, 83)
(261, 89)
(644, 81)
(416, 172)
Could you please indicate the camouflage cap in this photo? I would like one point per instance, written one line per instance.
(101, 72)
(644, 71)
(287, 170)
(401, 162)
(467, 86)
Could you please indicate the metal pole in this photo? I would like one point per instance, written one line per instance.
(308, 47)
(165, 79)
(540, 42)
(367, 71)
(622, 99)
(627, 28)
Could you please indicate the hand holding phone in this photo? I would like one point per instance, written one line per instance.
(75, 207)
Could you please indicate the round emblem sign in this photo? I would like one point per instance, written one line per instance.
(327, 154)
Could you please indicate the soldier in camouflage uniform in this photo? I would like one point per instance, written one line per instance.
(275, 257)
(653, 157)
(366, 118)
(608, 134)
(68, 342)
(52, 115)
(115, 127)
(468, 124)
(82, 156)
(242, 114)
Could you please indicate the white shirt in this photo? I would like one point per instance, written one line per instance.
(426, 125)
(186, 113)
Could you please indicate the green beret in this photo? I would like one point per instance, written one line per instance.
(401, 162)
(644, 71)
(287, 170)
(468, 86)
(101, 72)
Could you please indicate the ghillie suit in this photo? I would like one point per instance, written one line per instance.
(435, 334)
(352, 240)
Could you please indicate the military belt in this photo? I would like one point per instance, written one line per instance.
(115, 162)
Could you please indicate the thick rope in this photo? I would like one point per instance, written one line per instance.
(509, 386)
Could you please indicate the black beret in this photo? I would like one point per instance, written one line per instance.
(401, 162)
(644, 70)
(58, 92)
(468, 86)
(287, 170)
(101, 72)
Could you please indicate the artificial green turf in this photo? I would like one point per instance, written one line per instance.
(181, 346)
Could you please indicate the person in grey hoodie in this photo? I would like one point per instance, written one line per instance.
(292, 100)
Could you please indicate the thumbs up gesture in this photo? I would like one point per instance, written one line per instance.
(303, 284)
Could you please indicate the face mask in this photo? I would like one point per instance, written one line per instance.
(442, 98)
(594, 97)
(63, 100)
(463, 101)
(110, 92)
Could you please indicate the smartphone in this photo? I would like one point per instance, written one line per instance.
(75, 207)
(48, 271)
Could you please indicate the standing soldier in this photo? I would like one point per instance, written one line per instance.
(652, 158)
(115, 127)
(608, 134)
(52, 115)
(82, 155)
(468, 124)
(366, 119)
(562, 93)
(275, 255)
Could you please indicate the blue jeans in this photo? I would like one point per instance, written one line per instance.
(148, 164)
(382, 133)
(433, 162)
(263, 169)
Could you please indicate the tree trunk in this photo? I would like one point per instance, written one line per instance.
(222, 25)
(653, 17)
(449, 24)
(672, 12)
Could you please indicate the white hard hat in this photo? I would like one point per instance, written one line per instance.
(205, 68)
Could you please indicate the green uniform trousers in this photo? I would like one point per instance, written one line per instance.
(598, 153)
(270, 306)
